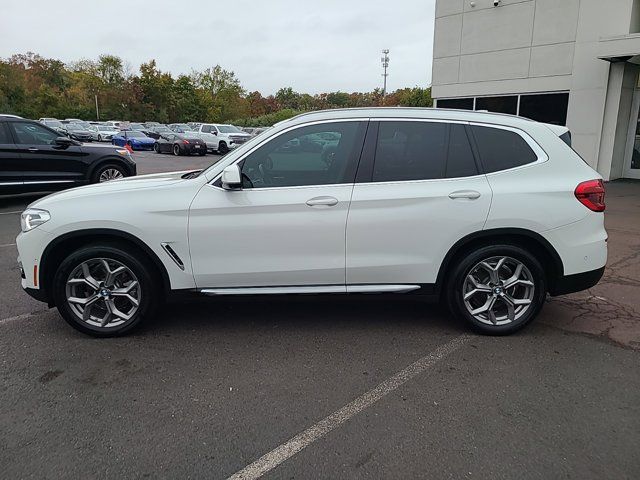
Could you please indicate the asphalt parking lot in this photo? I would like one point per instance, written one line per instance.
(326, 387)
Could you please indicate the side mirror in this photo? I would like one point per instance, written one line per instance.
(64, 141)
(215, 133)
(231, 178)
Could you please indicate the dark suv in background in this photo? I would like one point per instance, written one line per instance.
(36, 158)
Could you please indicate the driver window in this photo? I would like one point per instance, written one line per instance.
(321, 154)
(33, 134)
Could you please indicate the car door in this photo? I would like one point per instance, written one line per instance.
(419, 190)
(285, 227)
(11, 175)
(42, 160)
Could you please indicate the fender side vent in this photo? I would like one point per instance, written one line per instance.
(174, 256)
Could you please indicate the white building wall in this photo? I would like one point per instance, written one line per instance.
(528, 46)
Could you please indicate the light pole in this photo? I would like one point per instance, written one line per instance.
(97, 111)
(385, 65)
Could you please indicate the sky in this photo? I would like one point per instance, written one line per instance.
(313, 47)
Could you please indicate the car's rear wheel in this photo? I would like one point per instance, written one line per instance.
(496, 289)
(176, 150)
(107, 173)
(223, 149)
(105, 290)
(156, 147)
(99, 137)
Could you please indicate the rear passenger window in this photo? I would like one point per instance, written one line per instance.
(502, 149)
(422, 151)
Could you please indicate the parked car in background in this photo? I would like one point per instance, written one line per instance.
(225, 137)
(103, 133)
(155, 132)
(136, 140)
(78, 132)
(114, 123)
(489, 213)
(258, 131)
(36, 158)
(56, 124)
(180, 144)
(180, 127)
(195, 126)
(151, 124)
(133, 126)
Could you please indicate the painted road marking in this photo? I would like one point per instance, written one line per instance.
(24, 316)
(280, 454)
(8, 245)
(11, 213)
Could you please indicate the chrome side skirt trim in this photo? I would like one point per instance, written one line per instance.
(310, 289)
(36, 182)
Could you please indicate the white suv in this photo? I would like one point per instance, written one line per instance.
(222, 138)
(487, 212)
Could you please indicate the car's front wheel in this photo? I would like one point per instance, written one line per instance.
(107, 173)
(104, 290)
(496, 289)
(156, 147)
(223, 149)
(176, 150)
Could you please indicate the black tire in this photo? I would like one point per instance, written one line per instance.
(457, 285)
(149, 294)
(156, 147)
(176, 150)
(202, 153)
(99, 137)
(95, 178)
(223, 149)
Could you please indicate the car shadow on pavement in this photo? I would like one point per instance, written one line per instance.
(312, 312)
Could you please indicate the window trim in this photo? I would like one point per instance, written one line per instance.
(364, 176)
(217, 178)
(539, 152)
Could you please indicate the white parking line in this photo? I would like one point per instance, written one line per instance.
(285, 451)
(8, 245)
(24, 316)
(11, 213)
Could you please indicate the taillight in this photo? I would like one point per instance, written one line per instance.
(591, 195)
(186, 142)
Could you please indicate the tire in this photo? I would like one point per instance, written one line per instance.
(505, 316)
(176, 150)
(83, 275)
(202, 153)
(108, 172)
(223, 149)
(99, 137)
(156, 147)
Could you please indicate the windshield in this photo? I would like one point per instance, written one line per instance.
(229, 129)
(104, 128)
(133, 134)
(53, 123)
(136, 126)
(74, 127)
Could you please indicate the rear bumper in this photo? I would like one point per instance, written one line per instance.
(576, 283)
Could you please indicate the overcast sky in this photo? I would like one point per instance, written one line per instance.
(310, 46)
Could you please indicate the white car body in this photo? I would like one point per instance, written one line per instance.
(368, 237)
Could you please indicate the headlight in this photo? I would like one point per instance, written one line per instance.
(32, 217)
(123, 151)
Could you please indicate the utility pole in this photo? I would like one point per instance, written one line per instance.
(385, 65)
(97, 111)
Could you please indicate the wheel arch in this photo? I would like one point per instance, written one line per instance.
(61, 246)
(535, 243)
(110, 160)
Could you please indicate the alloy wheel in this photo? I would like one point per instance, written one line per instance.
(103, 292)
(110, 174)
(498, 290)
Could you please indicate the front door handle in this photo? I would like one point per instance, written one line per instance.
(32, 149)
(465, 194)
(322, 201)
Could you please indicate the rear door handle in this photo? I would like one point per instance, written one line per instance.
(32, 149)
(468, 194)
(322, 201)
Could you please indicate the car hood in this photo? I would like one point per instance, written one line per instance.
(155, 180)
(142, 140)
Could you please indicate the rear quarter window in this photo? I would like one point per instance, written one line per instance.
(501, 149)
